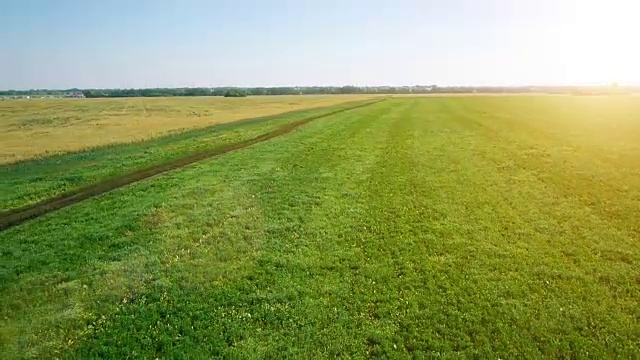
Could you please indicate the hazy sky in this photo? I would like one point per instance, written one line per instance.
(164, 43)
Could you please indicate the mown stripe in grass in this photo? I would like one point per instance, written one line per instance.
(18, 216)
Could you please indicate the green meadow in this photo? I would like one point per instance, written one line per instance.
(30, 181)
(414, 227)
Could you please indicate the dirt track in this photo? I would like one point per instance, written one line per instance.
(11, 218)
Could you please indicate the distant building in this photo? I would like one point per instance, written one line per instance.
(75, 95)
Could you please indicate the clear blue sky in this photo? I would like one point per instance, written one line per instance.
(169, 43)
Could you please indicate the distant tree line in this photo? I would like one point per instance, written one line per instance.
(39, 92)
(311, 90)
(235, 91)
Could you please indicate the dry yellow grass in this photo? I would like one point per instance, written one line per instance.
(31, 128)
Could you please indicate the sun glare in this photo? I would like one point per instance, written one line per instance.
(600, 42)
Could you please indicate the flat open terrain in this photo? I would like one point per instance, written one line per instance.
(36, 127)
(28, 182)
(488, 227)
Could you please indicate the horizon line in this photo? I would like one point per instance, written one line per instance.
(333, 86)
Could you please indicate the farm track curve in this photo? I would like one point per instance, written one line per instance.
(15, 217)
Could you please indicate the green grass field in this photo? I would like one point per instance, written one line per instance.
(28, 182)
(482, 227)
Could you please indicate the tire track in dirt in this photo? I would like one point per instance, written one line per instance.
(15, 217)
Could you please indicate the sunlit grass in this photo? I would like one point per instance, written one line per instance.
(494, 227)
